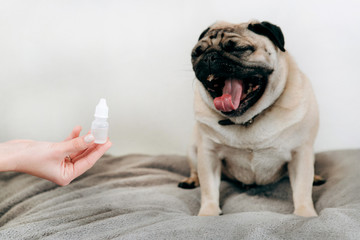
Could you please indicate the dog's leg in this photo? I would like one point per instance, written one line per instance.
(193, 180)
(209, 168)
(301, 173)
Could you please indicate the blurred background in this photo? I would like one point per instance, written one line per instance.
(59, 57)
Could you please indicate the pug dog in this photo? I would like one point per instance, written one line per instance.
(256, 115)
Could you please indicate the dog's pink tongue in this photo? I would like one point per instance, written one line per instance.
(230, 100)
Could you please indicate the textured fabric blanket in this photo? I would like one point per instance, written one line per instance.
(136, 197)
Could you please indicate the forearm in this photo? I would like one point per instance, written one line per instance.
(8, 157)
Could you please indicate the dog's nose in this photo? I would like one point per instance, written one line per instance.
(211, 57)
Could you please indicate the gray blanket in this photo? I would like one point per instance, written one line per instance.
(136, 197)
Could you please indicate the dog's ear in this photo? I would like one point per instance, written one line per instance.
(203, 33)
(271, 31)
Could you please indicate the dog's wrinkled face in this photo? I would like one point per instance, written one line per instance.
(235, 63)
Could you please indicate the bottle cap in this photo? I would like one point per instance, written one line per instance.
(102, 109)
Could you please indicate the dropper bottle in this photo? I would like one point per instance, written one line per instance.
(100, 126)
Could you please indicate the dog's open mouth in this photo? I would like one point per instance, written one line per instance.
(235, 94)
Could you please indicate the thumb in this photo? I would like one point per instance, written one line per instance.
(78, 144)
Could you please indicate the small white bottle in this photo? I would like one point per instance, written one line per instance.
(100, 126)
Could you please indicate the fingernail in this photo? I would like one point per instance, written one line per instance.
(89, 138)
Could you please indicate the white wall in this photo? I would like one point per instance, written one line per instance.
(57, 58)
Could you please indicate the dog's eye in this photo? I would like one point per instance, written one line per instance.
(245, 48)
(231, 46)
(197, 51)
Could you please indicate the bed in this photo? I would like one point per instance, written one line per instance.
(136, 197)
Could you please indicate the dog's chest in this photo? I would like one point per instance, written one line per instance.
(254, 166)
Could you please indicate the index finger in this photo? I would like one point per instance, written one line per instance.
(78, 144)
(75, 133)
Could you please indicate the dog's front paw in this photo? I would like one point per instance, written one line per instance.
(189, 183)
(209, 209)
(304, 211)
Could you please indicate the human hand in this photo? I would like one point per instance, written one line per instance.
(58, 162)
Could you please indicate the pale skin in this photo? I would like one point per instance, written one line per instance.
(50, 160)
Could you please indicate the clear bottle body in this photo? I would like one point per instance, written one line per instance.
(100, 128)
